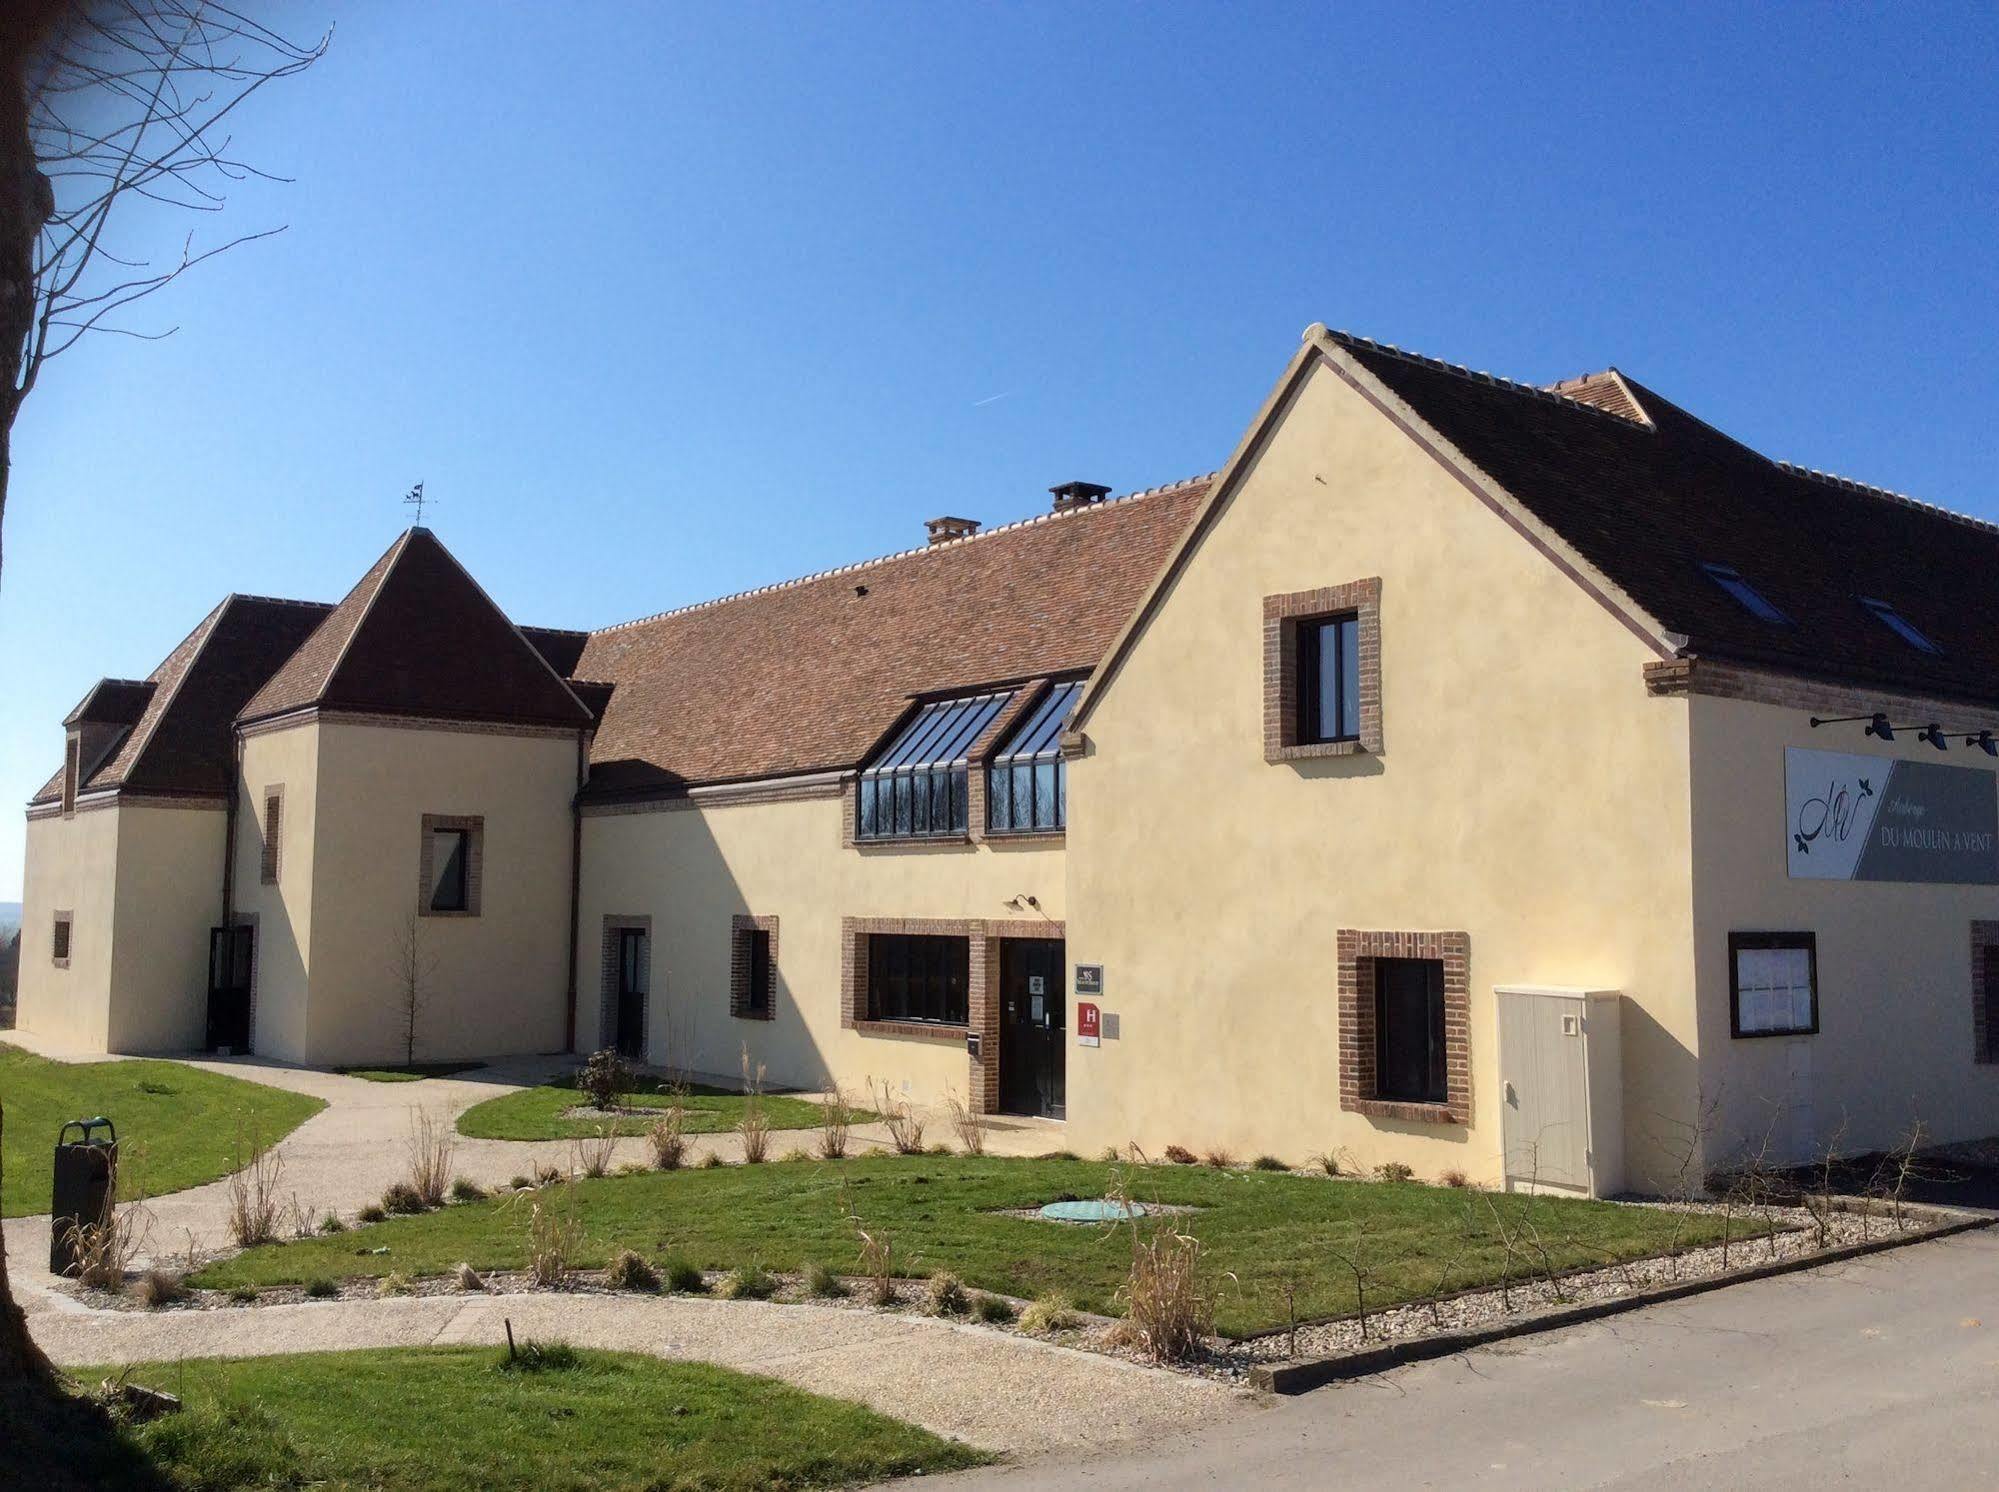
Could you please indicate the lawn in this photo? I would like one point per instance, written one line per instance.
(539, 1113)
(1267, 1230)
(410, 1074)
(177, 1125)
(443, 1419)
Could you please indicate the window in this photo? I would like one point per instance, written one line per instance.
(1773, 983)
(1900, 625)
(918, 977)
(59, 940)
(753, 968)
(274, 812)
(1027, 786)
(1409, 1062)
(1329, 680)
(1746, 595)
(916, 787)
(451, 867)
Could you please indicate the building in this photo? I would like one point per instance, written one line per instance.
(1533, 782)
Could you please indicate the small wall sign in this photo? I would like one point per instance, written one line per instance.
(1036, 985)
(1089, 1026)
(1089, 979)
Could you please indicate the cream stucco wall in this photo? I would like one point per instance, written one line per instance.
(692, 869)
(1894, 960)
(169, 896)
(496, 981)
(1529, 793)
(282, 914)
(72, 865)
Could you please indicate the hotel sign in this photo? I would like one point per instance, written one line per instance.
(1875, 818)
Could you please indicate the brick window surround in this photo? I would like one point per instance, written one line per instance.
(474, 827)
(607, 999)
(273, 847)
(61, 939)
(1984, 992)
(739, 967)
(1282, 616)
(981, 995)
(1357, 952)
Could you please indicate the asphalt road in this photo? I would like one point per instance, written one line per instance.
(1881, 1373)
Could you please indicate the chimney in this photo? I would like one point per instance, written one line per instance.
(1078, 495)
(944, 530)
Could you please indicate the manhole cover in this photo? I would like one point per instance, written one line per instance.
(1092, 1212)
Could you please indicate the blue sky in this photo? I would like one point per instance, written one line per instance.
(682, 299)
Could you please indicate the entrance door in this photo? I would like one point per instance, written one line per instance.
(631, 1013)
(1032, 1019)
(231, 952)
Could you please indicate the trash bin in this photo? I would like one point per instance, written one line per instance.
(86, 1171)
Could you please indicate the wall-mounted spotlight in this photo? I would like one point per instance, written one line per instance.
(1877, 724)
(1984, 741)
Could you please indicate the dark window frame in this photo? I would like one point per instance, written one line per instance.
(1890, 616)
(918, 785)
(1030, 769)
(462, 902)
(1310, 645)
(1738, 942)
(62, 938)
(758, 985)
(271, 860)
(1437, 1078)
(898, 963)
(1738, 589)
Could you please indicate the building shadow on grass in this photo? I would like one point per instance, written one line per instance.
(58, 1439)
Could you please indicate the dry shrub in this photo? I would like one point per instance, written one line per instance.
(593, 1153)
(748, 1282)
(946, 1296)
(667, 1136)
(297, 1222)
(395, 1283)
(969, 1126)
(1050, 1313)
(754, 1125)
(1180, 1155)
(629, 1271)
(905, 1130)
(430, 1146)
(253, 1193)
(1220, 1158)
(1455, 1179)
(554, 1235)
(106, 1248)
(161, 1287)
(836, 1117)
(401, 1199)
(1167, 1303)
(877, 1263)
(1393, 1170)
(1268, 1163)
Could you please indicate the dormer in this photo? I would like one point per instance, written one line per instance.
(96, 727)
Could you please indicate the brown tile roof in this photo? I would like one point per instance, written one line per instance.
(1607, 391)
(808, 675)
(1648, 504)
(419, 637)
(180, 743)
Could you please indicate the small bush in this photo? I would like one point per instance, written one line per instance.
(554, 1235)
(753, 1124)
(542, 1357)
(253, 1193)
(749, 1282)
(1061, 1155)
(1328, 1162)
(945, 1296)
(1049, 1313)
(631, 1168)
(396, 1283)
(331, 1224)
(994, 1310)
(823, 1283)
(797, 1153)
(402, 1198)
(243, 1295)
(629, 1271)
(1268, 1163)
(1110, 1156)
(682, 1277)
(1455, 1179)
(374, 1212)
(1392, 1170)
(521, 1183)
(606, 1078)
(321, 1289)
(161, 1287)
(594, 1153)
(1180, 1155)
(905, 1130)
(969, 1125)
(710, 1161)
(836, 1116)
(1219, 1159)
(430, 1146)
(938, 1147)
(667, 1137)
(1166, 1304)
(464, 1189)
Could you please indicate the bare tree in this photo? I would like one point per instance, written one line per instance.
(104, 104)
(413, 970)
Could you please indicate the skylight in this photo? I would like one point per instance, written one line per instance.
(1900, 625)
(917, 785)
(1745, 595)
(1027, 788)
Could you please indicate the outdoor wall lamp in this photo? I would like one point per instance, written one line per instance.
(1877, 724)
(1984, 741)
(1933, 733)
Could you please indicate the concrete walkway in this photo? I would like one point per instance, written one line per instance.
(990, 1389)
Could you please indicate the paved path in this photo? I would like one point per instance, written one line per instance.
(1881, 1372)
(996, 1391)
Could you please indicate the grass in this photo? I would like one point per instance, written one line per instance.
(539, 1113)
(944, 1213)
(415, 1072)
(432, 1419)
(177, 1125)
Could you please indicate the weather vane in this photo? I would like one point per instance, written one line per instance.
(415, 495)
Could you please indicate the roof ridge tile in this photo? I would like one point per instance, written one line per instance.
(1492, 379)
(1887, 494)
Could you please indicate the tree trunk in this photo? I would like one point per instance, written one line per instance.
(20, 1359)
(26, 203)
